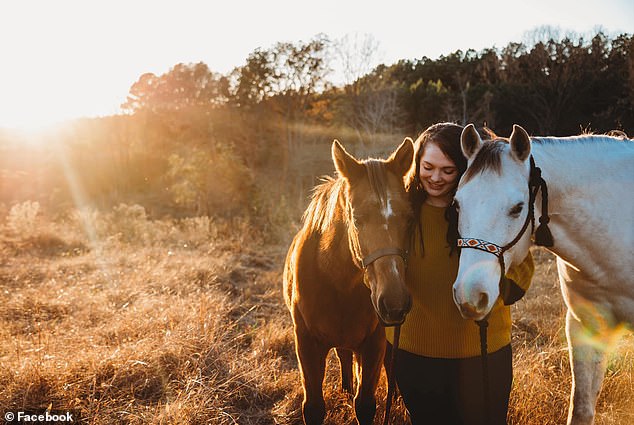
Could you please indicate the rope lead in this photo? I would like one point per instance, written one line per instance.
(390, 376)
(483, 325)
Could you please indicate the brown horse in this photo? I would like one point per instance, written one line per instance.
(344, 274)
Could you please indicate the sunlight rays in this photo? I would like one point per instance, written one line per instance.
(83, 207)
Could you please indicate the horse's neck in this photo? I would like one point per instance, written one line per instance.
(589, 202)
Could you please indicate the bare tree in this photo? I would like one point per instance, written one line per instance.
(373, 106)
(545, 33)
(356, 55)
(379, 111)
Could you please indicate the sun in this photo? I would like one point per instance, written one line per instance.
(39, 115)
(35, 120)
(35, 103)
(32, 130)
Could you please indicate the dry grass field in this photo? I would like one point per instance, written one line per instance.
(183, 322)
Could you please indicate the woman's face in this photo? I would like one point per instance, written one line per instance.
(438, 174)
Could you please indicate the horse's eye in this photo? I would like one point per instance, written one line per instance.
(516, 210)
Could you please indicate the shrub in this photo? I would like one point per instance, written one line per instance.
(210, 182)
(22, 218)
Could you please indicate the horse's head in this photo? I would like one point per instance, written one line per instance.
(379, 212)
(494, 203)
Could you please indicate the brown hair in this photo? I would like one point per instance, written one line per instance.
(446, 136)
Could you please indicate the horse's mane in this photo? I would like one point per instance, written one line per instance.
(323, 204)
(328, 198)
(489, 157)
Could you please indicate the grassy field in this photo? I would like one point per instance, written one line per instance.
(183, 322)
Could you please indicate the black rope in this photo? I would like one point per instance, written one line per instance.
(390, 376)
(483, 325)
(543, 236)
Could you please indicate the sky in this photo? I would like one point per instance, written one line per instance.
(62, 59)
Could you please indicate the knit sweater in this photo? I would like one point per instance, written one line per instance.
(434, 326)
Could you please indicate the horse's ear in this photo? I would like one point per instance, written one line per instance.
(402, 158)
(470, 141)
(347, 166)
(520, 143)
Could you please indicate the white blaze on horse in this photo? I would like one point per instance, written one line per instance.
(588, 206)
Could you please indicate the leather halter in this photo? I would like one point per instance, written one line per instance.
(377, 183)
(535, 183)
(383, 252)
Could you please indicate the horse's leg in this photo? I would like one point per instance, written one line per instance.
(587, 330)
(345, 360)
(588, 363)
(312, 361)
(371, 353)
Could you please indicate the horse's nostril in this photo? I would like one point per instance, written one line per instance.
(483, 301)
(383, 305)
(468, 309)
(391, 312)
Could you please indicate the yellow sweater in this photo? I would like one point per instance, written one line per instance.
(434, 327)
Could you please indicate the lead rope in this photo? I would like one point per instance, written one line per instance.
(390, 376)
(483, 325)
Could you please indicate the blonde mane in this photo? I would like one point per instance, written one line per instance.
(322, 209)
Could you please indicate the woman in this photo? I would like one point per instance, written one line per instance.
(439, 369)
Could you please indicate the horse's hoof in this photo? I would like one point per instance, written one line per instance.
(365, 413)
(314, 414)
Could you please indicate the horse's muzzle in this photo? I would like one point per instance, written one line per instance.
(392, 315)
(470, 311)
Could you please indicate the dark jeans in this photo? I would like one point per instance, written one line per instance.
(450, 391)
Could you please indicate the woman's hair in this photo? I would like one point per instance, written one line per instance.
(446, 136)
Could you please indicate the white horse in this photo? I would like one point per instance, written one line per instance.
(590, 200)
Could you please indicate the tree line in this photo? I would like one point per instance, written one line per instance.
(196, 142)
(553, 87)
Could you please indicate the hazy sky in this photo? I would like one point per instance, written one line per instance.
(62, 59)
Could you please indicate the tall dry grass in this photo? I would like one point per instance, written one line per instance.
(131, 320)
